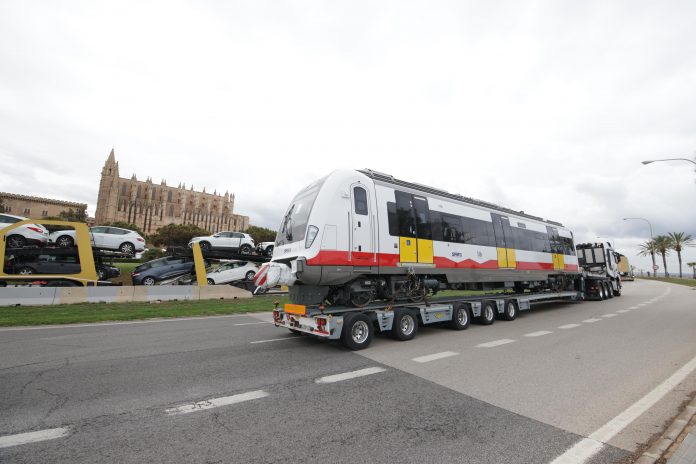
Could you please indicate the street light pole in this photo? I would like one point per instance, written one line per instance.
(652, 241)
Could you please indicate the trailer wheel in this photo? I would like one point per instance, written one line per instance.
(357, 331)
(510, 313)
(405, 325)
(460, 317)
(488, 311)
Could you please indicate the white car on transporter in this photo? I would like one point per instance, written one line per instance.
(233, 271)
(104, 238)
(230, 241)
(28, 234)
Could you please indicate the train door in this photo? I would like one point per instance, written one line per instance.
(362, 247)
(415, 229)
(556, 248)
(504, 242)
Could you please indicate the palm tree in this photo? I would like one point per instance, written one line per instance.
(693, 268)
(680, 240)
(663, 245)
(648, 249)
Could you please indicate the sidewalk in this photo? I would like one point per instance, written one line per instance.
(678, 444)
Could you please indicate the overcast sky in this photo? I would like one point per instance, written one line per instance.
(546, 107)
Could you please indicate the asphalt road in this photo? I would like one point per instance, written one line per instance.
(236, 389)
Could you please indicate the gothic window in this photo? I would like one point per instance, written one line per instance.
(139, 190)
(169, 196)
(171, 209)
(123, 189)
(154, 193)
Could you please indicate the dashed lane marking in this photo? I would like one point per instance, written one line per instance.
(633, 307)
(569, 326)
(274, 340)
(494, 343)
(350, 375)
(609, 315)
(216, 402)
(583, 450)
(591, 320)
(434, 356)
(623, 310)
(253, 323)
(538, 334)
(33, 437)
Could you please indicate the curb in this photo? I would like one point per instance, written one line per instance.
(669, 438)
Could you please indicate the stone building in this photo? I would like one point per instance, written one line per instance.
(150, 206)
(37, 207)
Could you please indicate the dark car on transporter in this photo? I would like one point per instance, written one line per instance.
(50, 264)
(157, 270)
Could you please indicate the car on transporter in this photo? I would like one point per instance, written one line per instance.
(233, 271)
(238, 242)
(104, 238)
(28, 234)
(163, 269)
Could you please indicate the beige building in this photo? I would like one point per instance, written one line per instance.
(151, 206)
(36, 207)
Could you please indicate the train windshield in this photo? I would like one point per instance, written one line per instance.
(294, 224)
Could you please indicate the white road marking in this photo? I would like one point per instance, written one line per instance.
(623, 311)
(609, 315)
(434, 357)
(495, 343)
(216, 402)
(587, 447)
(106, 324)
(591, 320)
(569, 326)
(633, 307)
(274, 340)
(32, 437)
(538, 334)
(641, 304)
(253, 323)
(350, 375)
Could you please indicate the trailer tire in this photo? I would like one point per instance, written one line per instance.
(357, 331)
(488, 310)
(460, 317)
(511, 310)
(405, 325)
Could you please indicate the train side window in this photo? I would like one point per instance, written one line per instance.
(404, 214)
(451, 228)
(360, 196)
(393, 219)
(423, 225)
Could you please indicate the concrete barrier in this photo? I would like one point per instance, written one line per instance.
(27, 296)
(222, 292)
(30, 296)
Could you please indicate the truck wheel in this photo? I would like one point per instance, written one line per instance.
(357, 331)
(610, 290)
(488, 310)
(601, 292)
(460, 317)
(618, 291)
(405, 325)
(510, 313)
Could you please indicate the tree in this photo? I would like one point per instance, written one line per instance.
(663, 245)
(79, 215)
(261, 234)
(648, 249)
(680, 240)
(125, 225)
(177, 235)
(693, 268)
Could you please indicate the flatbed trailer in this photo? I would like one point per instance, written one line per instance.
(355, 327)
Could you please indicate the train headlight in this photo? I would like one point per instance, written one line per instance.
(312, 232)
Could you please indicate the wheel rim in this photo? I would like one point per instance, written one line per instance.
(101, 275)
(359, 332)
(149, 281)
(25, 271)
(246, 249)
(127, 248)
(64, 242)
(407, 324)
(210, 282)
(250, 275)
(511, 309)
(462, 316)
(489, 313)
(15, 242)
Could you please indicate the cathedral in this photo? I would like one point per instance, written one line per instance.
(151, 206)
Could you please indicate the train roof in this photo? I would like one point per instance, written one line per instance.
(388, 178)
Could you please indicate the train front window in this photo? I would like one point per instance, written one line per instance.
(295, 220)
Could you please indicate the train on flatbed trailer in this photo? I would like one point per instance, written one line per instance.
(362, 251)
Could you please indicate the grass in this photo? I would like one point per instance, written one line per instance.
(101, 312)
(672, 280)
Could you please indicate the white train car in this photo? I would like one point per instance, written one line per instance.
(355, 236)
